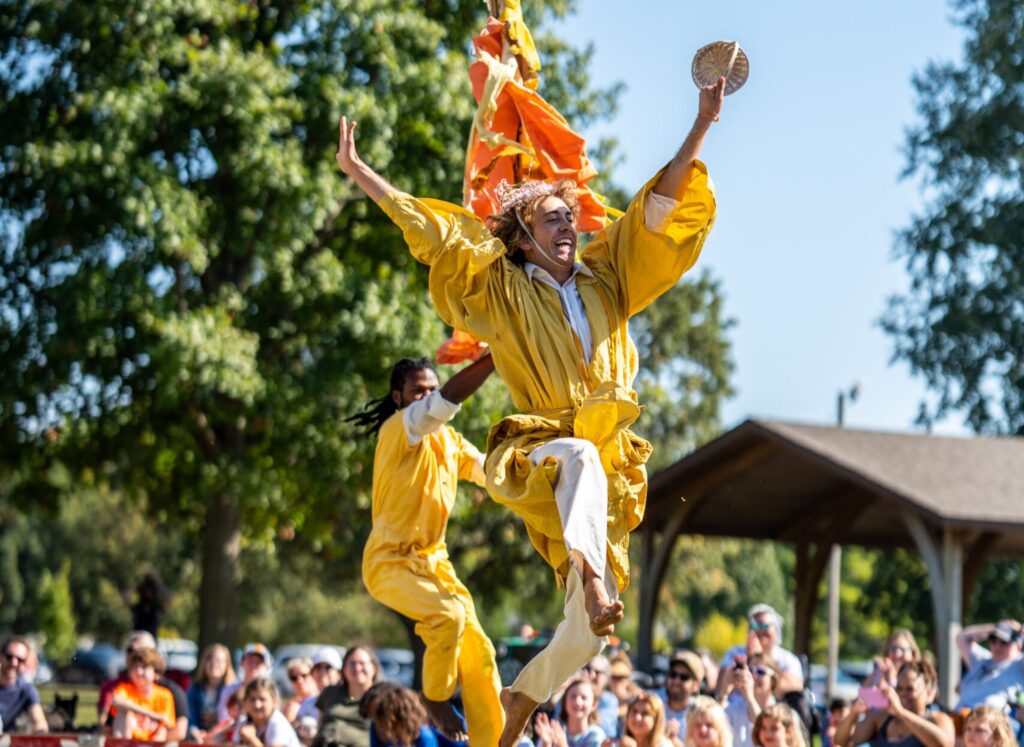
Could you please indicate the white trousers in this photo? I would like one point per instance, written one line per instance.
(581, 493)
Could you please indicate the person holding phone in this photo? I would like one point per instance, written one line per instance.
(906, 720)
(756, 682)
(764, 636)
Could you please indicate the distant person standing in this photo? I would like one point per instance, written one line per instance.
(150, 605)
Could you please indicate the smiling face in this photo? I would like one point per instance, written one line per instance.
(640, 719)
(358, 672)
(703, 731)
(418, 384)
(579, 702)
(554, 229)
(914, 692)
(259, 705)
(774, 733)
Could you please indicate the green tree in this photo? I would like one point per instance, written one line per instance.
(56, 616)
(961, 323)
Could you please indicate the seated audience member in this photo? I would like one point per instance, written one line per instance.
(995, 676)
(18, 696)
(778, 725)
(578, 725)
(327, 667)
(706, 724)
(907, 720)
(225, 730)
(682, 685)
(645, 724)
(764, 636)
(756, 681)
(300, 674)
(141, 708)
(138, 640)
(398, 719)
(341, 724)
(838, 709)
(598, 669)
(986, 726)
(263, 724)
(900, 647)
(212, 675)
(256, 661)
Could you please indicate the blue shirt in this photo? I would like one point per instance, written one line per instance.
(16, 699)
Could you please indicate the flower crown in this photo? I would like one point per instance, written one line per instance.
(512, 196)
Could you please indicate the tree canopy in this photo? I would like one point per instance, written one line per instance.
(192, 299)
(961, 323)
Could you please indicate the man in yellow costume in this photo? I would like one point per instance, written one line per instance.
(567, 463)
(416, 468)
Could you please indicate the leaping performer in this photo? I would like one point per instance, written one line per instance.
(567, 462)
(416, 468)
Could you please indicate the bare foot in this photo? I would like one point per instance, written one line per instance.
(518, 709)
(443, 714)
(603, 612)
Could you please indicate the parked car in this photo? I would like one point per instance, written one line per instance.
(846, 685)
(396, 665)
(179, 653)
(284, 654)
(92, 665)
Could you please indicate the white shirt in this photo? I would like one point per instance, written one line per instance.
(424, 416)
(657, 210)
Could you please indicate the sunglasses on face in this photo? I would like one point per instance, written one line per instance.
(14, 658)
(296, 676)
(759, 627)
(992, 639)
(683, 676)
(896, 648)
(760, 671)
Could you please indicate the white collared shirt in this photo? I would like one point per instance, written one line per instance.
(657, 209)
(425, 416)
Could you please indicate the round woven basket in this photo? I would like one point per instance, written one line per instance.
(721, 58)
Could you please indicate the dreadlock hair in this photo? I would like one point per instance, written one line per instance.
(505, 227)
(376, 411)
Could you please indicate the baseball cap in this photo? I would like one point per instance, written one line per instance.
(259, 650)
(690, 660)
(1004, 632)
(328, 656)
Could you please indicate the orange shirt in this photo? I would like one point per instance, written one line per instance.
(159, 701)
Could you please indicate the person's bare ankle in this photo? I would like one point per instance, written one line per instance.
(518, 709)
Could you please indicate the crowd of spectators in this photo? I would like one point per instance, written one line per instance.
(754, 697)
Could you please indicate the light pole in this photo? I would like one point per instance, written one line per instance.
(835, 562)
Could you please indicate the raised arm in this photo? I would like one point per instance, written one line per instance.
(673, 179)
(373, 184)
(468, 379)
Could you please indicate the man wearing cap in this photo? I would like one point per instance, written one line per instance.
(763, 635)
(996, 675)
(682, 683)
(256, 661)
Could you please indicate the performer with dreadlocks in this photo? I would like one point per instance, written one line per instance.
(416, 469)
(567, 463)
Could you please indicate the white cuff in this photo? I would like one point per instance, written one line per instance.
(427, 415)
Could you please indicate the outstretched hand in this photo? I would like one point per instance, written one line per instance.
(711, 98)
(347, 157)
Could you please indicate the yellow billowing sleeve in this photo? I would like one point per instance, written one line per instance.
(647, 263)
(466, 267)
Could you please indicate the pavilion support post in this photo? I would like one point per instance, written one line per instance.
(810, 566)
(974, 561)
(656, 557)
(943, 557)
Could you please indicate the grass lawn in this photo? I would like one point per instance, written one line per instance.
(87, 697)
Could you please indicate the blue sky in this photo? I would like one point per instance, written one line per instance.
(807, 161)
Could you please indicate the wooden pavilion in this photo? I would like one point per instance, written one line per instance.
(957, 501)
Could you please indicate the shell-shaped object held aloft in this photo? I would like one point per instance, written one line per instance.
(717, 59)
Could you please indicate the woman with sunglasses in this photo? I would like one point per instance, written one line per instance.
(900, 647)
(906, 722)
(212, 674)
(757, 681)
(300, 674)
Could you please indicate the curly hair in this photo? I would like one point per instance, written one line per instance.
(398, 716)
(924, 669)
(506, 226)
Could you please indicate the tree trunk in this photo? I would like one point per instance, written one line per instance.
(222, 573)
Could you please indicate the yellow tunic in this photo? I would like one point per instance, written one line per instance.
(477, 289)
(406, 566)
